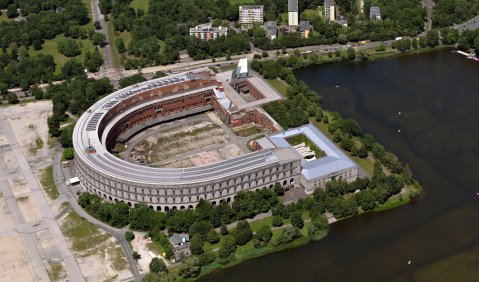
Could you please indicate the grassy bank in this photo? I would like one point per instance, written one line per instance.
(48, 183)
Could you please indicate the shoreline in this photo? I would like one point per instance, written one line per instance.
(393, 202)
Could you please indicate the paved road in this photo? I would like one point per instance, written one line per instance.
(108, 66)
(27, 229)
(70, 197)
(470, 24)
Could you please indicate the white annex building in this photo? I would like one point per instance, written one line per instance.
(315, 172)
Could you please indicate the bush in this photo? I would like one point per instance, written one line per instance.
(212, 237)
(12, 98)
(136, 255)
(196, 245)
(37, 93)
(69, 47)
(97, 25)
(156, 266)
(223, 229)
(277, 221)
(242, 233)
(68, 153)
(129, 236)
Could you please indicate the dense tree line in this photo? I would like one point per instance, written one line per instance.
(400, 18)
(74, 96)
(170, 21)
(450, 12)
(43, 21)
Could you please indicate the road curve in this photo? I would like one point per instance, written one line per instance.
(119, 234)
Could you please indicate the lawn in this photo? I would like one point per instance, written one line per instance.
(248, 131)
(240, 2)
(83, 234)
(126, 36)
(48, 183)
(3, 17)
(139, 4)
(50, 48)
(279, 86)
(310, 14)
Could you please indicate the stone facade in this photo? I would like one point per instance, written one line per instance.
(164, 197)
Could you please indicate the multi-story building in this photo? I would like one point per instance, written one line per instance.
(305, 28)
(250, 14)
(271, 29)
(315, 172)
(293, 16)
(207, 32)
(330, 10)
(375, 13)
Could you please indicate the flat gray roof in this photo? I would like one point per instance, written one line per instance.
(85, 134)
(335, 160)
(292, 5)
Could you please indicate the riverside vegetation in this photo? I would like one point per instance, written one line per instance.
(291, 225)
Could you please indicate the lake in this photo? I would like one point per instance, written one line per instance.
(437, 94)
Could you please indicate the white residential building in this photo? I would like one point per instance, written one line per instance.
(293, 16)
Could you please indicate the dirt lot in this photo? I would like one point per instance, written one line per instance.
(29, 124)
(167, 144)
(14, 265)
(99, 255)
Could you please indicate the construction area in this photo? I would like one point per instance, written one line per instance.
(190, 142)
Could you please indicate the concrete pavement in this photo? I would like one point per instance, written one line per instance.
(64, 191)
(28, 229)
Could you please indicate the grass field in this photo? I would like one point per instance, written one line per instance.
(83, 234)
(4, 18)
(278, 85)
(126, 36)
(50, 48)
(310, 14)
(240, 2)
(48, 183)
(139, 4)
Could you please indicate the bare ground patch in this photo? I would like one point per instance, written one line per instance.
(14, 261)
(99, 255)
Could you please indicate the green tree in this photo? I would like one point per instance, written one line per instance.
(136, 255)
(223, 229)
(98, 38)
(156, 266)
(212, 237)
(130, 80)
(201, 228)
(278, 189)
(12, 11)
(53, 126)
(67, 154)
(129, 236)
(277, 221)
(227, 247)
(297, 220)
(320, 222)
(366, 199)
(432, 38)
(97, 25)
(72, 68)
(68, 47)
(37, 93)
(196, 245)
(12, 98)
(66, 135)
(342, 38)
(120, 45)
(264, 234)
(242, 233)
(190, 268)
